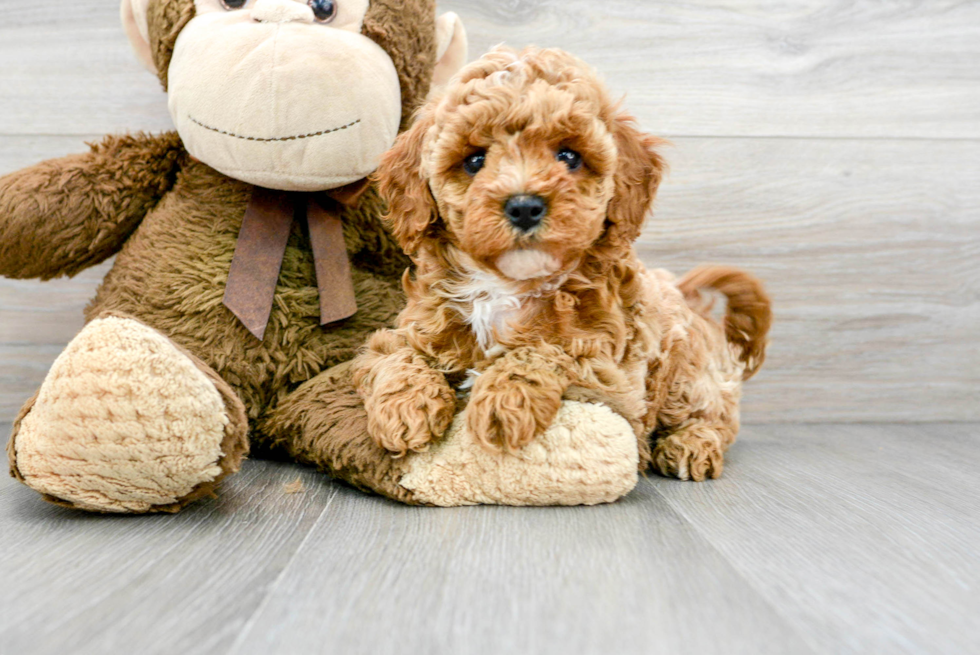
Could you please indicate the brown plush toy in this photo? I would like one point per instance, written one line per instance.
(250, 259)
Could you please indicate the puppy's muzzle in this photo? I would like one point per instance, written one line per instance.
(525, 212)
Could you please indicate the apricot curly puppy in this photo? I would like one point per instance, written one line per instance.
(518, 195)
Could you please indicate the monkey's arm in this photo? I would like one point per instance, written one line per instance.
(64, 215)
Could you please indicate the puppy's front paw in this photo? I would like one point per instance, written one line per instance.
(411, 417)
(510, 415)
(691, 454)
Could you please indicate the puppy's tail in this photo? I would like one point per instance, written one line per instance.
(748, 316)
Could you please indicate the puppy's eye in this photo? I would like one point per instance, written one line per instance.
(323, 10)
(570, 158)
(233, 4)
(474, 163)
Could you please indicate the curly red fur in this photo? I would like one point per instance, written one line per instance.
(524, 319)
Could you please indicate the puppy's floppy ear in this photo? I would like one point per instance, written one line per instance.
(411, 208)
(638, 173)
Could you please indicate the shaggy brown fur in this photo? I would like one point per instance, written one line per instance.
(90, 204)
(411, 44)
(166, 19)
(171, 276)
(173, 223)
(565, 310)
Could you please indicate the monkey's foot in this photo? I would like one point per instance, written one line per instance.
(126, 421)
(588, 456)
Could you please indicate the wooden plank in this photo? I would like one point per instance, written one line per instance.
(375, 577)
(22, 370)
(756, 68)
(82, 583)
(820, 538)
(869, 249)
(74, 75)
(17, 152)
(865, 536)
(696, 69)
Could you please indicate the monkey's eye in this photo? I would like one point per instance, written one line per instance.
(474, 163)
(570, 158)
(233, 4)
(323, 10)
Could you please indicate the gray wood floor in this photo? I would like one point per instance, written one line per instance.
(819, 539)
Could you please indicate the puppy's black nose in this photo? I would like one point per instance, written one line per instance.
(526, 212)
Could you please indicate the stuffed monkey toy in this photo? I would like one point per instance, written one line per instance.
(251, 264)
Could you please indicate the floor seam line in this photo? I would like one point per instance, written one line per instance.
(150, 564)
(250, 621)
(805, 639)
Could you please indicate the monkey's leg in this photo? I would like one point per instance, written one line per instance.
(128, 422)
(589, 455)
(323, 423)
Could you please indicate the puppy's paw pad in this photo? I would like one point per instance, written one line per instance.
(689, 456)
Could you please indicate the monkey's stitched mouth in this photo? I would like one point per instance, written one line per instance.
(281, 138)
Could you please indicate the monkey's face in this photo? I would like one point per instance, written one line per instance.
(284, 94)
(297, 95)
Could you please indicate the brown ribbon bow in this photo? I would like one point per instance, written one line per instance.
(255, 267)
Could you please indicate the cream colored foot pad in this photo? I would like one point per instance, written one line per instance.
(123, 422)
(588, 456)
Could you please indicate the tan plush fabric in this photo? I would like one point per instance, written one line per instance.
(289, 104)
(452, 49)
(588, 456)
(266, 95)
(133, 15)
(132, 419)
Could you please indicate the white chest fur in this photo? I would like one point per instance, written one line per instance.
(488, 305)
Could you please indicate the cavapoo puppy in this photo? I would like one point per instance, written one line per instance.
(518, 194)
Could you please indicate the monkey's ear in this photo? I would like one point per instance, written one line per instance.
(402, 183)
(451, 48)
(134, 20)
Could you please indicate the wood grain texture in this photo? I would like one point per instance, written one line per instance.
(628, 578)
(80, 583)
(818, 539)
(867, 539)
(872, 253)
(756, 68)
(67, 68)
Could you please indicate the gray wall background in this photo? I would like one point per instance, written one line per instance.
(832, 147)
